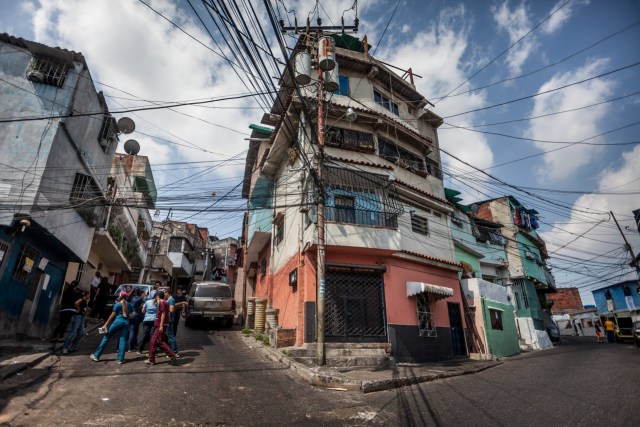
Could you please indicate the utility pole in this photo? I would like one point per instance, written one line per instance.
(320, 226)
(634, 261)
(320, 270)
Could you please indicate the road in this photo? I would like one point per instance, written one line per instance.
(221, 381)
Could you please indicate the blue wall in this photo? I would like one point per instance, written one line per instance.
(617, 292)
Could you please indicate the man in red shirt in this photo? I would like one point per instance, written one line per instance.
(159, 337)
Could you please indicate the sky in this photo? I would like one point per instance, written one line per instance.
(542, 95)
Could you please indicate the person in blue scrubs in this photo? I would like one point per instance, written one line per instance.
(119, 328)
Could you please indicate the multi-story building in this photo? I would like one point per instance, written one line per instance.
(565, 301)
(529, 280)
(391, 272)
(621, 303)
(53, 176)
(480, 250)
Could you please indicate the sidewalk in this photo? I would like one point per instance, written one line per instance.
(369, 380)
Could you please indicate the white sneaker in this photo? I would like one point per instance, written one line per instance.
(64, 351)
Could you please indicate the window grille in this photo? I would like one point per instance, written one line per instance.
(108, 136)
(426, 326)
(26, 265)
(385, 102)
(47, 71)
(419, 225)
(350, 139)
(4, 249)
(404, 158)
(496, 319)
(345, 209)
(84, 190)
(279, 226)
(433, 168)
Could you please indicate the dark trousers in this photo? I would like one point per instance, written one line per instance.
(65, 319)
(611, 336)
(134, 326)
(147, 332)
(176, 320)
(159, 339)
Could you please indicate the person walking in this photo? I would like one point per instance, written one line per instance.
(159, 337)
(119, 327)
(135, 319)
(609, 326)
(77, 324)
(181, 303)
(171, 337)
(149, 309)
(67, 310)
(599, 334)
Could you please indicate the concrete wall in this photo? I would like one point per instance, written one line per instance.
(501, 342)
(531, 338)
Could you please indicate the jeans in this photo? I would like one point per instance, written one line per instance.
(159, 339)
(147, 332)
(611, 337)
(77, 329)
(119, 327)
(134, 326)
(171, 337)
(65, 318)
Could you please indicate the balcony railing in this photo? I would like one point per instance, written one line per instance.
(361, 217)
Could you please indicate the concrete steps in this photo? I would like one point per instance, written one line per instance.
(342, 354)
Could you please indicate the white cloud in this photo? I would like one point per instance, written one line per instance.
(622, 179)
(561, 16)
(405, 29)
(572, 126)
(436, 53)
(516, 23)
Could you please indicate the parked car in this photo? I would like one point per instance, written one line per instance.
(210, 301)
(554, 332)
(636, 333)
(624, 327)
(146, 289)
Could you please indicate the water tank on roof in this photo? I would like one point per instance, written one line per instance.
(326, 53)
(302, 68)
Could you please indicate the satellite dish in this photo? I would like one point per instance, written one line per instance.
(126, 125)
(131, 147)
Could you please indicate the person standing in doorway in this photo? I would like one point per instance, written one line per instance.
(77, 325)
(609, 326)
(119, 328)
(160, 334)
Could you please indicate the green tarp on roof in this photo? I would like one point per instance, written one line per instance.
(262, 129)
(345, 41)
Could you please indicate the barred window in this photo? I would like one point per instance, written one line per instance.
(175, 244)
(350, 139)
(279, 230)
(404, 158)
(108, 136)
(84, 190)
(4, 249)
(382, 100)
(420, 225)
(26, 265)
(47, 71)
(433, 168)
(426, 326)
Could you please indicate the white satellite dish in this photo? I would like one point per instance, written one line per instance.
(131, 147)
(126, 125)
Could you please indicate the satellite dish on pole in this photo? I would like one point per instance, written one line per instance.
(131, 147)
(126, 125)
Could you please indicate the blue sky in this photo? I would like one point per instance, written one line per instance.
(590, 172)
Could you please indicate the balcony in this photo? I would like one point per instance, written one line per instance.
(109, 251)
(162, 263)
(182, 265)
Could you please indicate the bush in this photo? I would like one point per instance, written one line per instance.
(246, 331)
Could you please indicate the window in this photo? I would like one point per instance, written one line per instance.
(343, 86)
(426, 327)
(4, 248)
(26, 264)
(108, 136)
(496, 319)
(516, 296)
(84, 197)
(382, 100)
(345, 209)
(175, 244)
(398, 155)
(279, 229)
(350, 139)
(419, 225)
(47, 71)
(433, 168)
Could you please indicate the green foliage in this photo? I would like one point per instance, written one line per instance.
(263, 339)
(285, 352)
(246, 331)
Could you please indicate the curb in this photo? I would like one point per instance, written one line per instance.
(317, 378)
(9, 371)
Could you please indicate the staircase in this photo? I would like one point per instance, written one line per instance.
(134, 276)
(343, 354)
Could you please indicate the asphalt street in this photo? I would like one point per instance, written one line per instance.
(221, 381)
